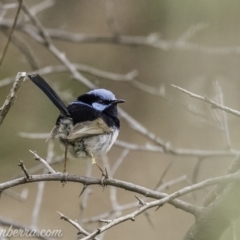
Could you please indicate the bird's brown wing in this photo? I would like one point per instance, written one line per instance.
(89, 128)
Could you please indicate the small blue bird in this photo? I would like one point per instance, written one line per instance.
(87, 126)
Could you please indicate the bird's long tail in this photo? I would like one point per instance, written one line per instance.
(52, 95)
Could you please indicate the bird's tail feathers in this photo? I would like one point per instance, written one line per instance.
(51, 94)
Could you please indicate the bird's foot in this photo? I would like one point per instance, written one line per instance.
(104, 177)
(104, 173)
(93, 160)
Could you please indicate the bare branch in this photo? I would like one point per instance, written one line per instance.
(45, 36)
(109, 181)
(186, 36)
(152, 40)
(160, 92)
(119, 161)
(224, 116)
(44, 162)
(22, 166)
(41, 185)
(11, 32)
(209, 101)
(11, 96)
(46, 40)
(172, 182)
(161, 202)
(74, 223)
(80, 67)
(86, 193)
(25, 49)
(141, 202)
(163, 175)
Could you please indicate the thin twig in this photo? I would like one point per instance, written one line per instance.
(141, 202)
(172, 182)
(24, 47)
(11, 32)
(11, 96)
(119, 161)
(85, 194)
(209, 101)
(22, 166)
(41, 187)
(224, 116)
(163, 175)
(74, 223)
(191, 31)
(43, 161)
(80, 67)
(37, 23)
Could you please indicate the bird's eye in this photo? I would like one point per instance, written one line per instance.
(100, 101)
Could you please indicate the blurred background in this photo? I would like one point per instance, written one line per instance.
(191, 44)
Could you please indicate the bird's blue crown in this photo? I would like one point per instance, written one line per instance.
(103, 94)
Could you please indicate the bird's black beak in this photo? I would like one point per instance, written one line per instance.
(118, 101)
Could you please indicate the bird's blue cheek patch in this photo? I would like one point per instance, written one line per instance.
(99, 106)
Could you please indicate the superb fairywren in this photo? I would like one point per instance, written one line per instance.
(87, 126)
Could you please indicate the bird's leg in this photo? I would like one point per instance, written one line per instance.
(65, 158)
(94, 162)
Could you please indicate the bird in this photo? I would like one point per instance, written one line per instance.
(87, 126)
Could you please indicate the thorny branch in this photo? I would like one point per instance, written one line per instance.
(75, 224)
(96, 181)
(161, 202)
